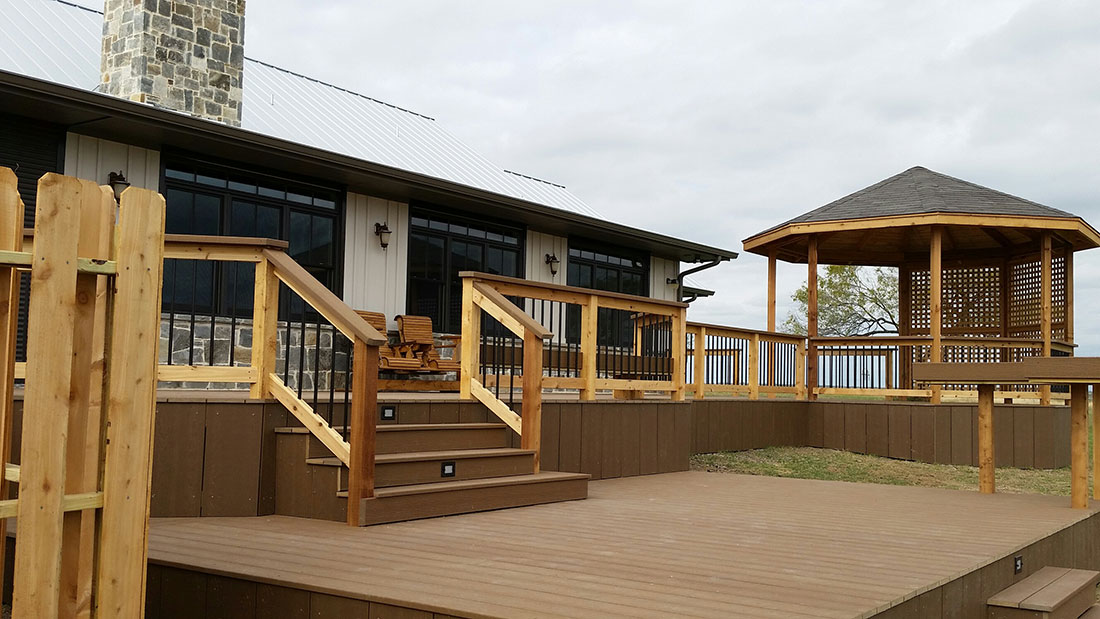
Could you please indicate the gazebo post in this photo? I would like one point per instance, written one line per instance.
(1069, 292)
(1046, 259)
(935, 298)
(771, 315)
(811, 317)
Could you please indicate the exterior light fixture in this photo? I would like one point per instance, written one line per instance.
(553, 261)
(383, 231)
(118, 183)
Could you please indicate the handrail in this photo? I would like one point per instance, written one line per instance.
(322, 299)
(522, 322)
(573, 294)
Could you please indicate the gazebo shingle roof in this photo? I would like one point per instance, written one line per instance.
(919, 190)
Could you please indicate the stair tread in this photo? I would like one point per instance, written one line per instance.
(467, 484)
(419, 456)
(1046, 589)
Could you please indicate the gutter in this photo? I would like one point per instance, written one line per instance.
(679, 279)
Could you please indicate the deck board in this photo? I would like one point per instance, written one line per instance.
(680, 544)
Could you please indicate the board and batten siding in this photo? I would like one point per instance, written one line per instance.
(539, 244)
(93, 159)
(660, 271)
(374, 278)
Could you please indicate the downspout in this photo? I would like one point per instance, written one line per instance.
(679, 279)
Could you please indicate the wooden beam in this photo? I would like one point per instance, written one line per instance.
(265, 328)
(678, 337)
(363, 419)
(811, 317)
(37, 586)
(1046, 325)
(986, 461)
(211, 373)
(935, 299)
(498, 408)
(69, 503)
(1079, 445)
(771, 290)
(531, 431)
(997, 236)
(134, 336)
(11, 237)
(305, 414)
(589, 323)
(699, 356)
(471, 339)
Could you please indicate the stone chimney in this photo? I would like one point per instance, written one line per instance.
(185, 55)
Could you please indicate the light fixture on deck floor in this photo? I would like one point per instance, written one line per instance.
(383, 231)
(553, 261)
(118, 183)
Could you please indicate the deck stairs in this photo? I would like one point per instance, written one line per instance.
(1050, 593)
(422, 470)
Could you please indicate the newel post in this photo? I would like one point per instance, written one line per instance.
(699, 356)
(361, 418)
(531, 434)
(471, 339)
(265, 326)
(589, 321)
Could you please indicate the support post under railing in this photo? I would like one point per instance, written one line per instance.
(800, 371)
(531, 436)
(699, 356)
(754, 367)
(471, 339)
(679, 354)
(361, 418)
(265, 326)
(589, 323)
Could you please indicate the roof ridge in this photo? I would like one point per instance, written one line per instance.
(288, 71)
(539, 180)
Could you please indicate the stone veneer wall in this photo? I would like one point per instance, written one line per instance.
(186, 55)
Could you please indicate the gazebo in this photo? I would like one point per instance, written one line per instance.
(982, 275)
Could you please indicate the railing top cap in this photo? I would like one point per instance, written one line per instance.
(489, 277)
(206, 239)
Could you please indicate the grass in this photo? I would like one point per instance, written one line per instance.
(829, 464)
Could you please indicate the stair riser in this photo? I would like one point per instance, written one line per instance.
(303, 490)
(1072, 608)
(408, 441)
(409, 473)
(431, 505)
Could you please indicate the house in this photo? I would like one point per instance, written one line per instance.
(379, 203)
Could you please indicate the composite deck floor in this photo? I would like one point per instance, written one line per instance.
(674, 545)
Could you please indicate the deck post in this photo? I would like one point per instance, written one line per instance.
(679, 354)
(1079, 444)
(589, 321)
(471, 339)
(531, 434)
(362, 420)
(265, 327)
(699, 356)
(811, 318)
(935, 299)
(771, 317)
(754, 367)
(1046, 258)
(986, 460)
(800, 371)
(1069, 292)
(1095, 433)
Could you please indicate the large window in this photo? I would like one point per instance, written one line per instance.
(612, 270)
(213, 200)
(440, 247)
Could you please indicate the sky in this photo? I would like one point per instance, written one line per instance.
(712, 121)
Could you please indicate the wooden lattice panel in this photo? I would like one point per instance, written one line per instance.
(971, 300)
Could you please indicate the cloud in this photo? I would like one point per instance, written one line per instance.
(712, 121)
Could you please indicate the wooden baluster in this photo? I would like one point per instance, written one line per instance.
(531, 434)
(362, 413)
(589, 324)
(265, 326)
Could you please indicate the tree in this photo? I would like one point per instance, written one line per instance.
(851, 301)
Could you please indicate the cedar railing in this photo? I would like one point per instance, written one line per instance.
(745, 362)
(240, 312)
(601, 341)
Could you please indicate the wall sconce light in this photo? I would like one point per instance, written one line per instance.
(553, 261)
(118, 183)
(383, 231)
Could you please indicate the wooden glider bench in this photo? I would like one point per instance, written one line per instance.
(1052, 592)
(415, 353)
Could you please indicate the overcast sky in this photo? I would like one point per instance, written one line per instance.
(714, 120)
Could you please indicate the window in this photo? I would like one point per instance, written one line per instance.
(611, 270)
(440, 247)
(219, 201)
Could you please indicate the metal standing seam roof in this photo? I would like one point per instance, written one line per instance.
(60, 42)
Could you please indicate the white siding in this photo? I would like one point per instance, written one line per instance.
(660, 271)
(93, 159)
(374, 279)
(538, 245)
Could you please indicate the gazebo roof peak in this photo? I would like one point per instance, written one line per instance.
(919, 190)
